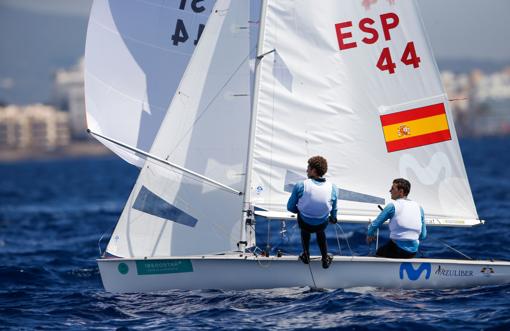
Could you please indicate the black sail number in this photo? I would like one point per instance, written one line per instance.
(200, 30)
(194, 5)
(181, 34)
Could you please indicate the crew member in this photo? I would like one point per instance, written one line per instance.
(407, 223)
(314, 201)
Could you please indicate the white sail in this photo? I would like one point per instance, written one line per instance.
(206, 130)
(135, 55)
(333, 70)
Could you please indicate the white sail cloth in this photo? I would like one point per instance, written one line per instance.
(135, 55)
(205, 130)
(325, 86)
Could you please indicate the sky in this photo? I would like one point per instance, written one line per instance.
(477, 29)
(56, 7)
(39, 36)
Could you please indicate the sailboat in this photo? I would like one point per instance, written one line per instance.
(222, 129)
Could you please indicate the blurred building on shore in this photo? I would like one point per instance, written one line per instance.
(69, 96)
(480, 102)
(33, 127)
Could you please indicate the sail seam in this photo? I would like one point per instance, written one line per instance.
(112, 88)
(138, 41)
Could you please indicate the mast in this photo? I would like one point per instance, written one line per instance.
(247, 213)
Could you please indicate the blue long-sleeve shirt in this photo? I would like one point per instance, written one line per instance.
(387, 213)
(297, 192)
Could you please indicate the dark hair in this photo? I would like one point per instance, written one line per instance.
(403, 184)
(319, 164)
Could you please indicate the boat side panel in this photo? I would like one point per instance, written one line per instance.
(238, 274)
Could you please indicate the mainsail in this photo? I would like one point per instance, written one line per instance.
(171, 213)
(150, 43)
(359, 86)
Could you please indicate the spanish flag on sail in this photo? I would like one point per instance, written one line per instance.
(415, 127)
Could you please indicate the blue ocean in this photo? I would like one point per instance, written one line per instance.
(53, 213)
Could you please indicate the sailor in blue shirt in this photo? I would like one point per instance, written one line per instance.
(407, 223)
(314, 200)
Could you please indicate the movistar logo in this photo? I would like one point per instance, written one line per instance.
(414, 274)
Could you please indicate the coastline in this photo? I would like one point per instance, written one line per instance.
(73, 150)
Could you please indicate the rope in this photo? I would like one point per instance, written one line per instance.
(284, 237)
(338, 242)
(99, 244)
(453, 249)
(262, 265)
(309, 265)
(346, 240)
(254, 252)
(377, 241)
(268, 247)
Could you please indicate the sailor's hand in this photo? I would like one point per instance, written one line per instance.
(370, 239)
(332, 220)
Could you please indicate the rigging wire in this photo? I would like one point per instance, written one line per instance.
(206, 108)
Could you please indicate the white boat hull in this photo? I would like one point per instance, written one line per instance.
(249, 272)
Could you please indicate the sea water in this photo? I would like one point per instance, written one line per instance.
(53, 213)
